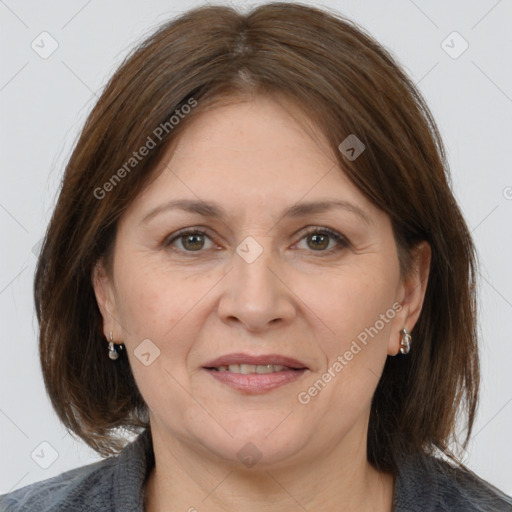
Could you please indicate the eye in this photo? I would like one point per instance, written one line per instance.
(318, 238)
(193, 240)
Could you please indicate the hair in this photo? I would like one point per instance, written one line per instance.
(346, 83)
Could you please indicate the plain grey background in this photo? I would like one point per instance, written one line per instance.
(465, 76)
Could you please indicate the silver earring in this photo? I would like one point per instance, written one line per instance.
(405, 341)
(112, 352)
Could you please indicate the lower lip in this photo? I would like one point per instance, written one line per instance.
(256, 382)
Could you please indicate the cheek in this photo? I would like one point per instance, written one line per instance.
(155, 308)
(165, 306)
(362, 318)
(351, 303)
(358, 308)
(149, 302)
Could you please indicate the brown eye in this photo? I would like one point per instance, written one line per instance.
(193, 242)
(190, 241)
(318, 239)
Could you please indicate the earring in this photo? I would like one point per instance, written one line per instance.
(112, 352)
(405, 341)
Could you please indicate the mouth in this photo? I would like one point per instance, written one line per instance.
(249, 369)
(255, 374)
(254, 363)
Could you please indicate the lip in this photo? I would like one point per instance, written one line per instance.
(264, 359)
(256, 383)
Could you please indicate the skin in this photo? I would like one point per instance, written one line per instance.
(255, 158)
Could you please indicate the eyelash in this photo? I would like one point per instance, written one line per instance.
(340, 239)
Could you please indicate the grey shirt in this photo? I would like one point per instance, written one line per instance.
(423, 484)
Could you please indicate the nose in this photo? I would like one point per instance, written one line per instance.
(255, 292)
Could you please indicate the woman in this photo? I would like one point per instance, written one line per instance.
(256, 262)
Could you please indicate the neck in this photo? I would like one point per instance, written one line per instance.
(336, 480)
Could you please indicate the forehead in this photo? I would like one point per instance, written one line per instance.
(260, 136)
(255, 156)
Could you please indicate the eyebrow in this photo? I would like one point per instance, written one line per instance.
(213, 210)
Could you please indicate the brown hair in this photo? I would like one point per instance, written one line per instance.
(346, 83)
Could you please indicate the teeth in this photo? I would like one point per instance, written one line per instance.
(246, 369)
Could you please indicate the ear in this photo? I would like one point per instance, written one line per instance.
(105, 297)
(411, 294)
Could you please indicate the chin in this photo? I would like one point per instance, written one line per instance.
(260, 445)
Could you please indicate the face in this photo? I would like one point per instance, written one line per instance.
(318, 289)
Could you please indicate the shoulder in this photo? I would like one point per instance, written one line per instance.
(117, 481)
(89, 484)
(428, 483)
